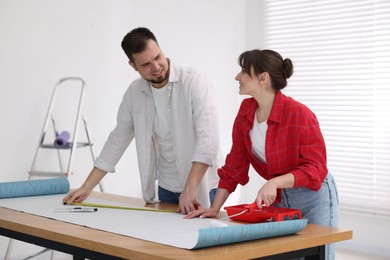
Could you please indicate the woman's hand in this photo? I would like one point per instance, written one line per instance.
(267, 194)
(203, 213)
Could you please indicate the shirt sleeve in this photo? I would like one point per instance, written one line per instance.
(204, 113)
(119, 139)
(236, 167)
(311, 169)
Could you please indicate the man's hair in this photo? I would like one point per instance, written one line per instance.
(135, 41)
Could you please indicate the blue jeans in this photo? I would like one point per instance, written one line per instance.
(173, 197)
(318, 207)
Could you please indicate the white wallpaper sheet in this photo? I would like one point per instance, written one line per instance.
(153, 226)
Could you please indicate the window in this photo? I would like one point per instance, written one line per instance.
(341, 56)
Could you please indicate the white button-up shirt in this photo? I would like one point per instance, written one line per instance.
(193, 123)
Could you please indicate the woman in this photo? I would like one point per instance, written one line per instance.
(282, 140)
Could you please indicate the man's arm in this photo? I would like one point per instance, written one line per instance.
(189, 197)
(83, 192)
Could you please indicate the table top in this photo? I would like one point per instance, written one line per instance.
(129, 247)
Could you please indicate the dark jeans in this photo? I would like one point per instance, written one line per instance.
(173, 197)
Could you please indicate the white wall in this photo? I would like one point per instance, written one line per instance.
(370, 233)
(44, 40)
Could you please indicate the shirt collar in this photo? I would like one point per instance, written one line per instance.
(277, 108)
(276, 111)
(173, 72)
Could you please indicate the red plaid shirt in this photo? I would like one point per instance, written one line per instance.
(294, 144)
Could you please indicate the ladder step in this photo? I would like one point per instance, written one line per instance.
(48, 174)
(66, 147)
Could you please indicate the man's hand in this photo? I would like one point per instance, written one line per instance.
(188, 201)
(78, 195)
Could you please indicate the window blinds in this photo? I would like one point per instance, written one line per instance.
(341, 55)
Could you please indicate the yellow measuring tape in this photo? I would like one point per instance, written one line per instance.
(117, 207)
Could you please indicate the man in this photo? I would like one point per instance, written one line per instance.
(170, 111)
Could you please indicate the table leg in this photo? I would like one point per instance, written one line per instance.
(319, 256)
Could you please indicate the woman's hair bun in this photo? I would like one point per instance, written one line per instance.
(288, 67)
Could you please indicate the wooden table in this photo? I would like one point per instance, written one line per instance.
(83, 242)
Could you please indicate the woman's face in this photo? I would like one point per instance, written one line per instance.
(249, 83)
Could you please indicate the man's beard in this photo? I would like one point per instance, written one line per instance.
(160, 80)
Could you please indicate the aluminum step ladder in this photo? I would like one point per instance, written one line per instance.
(72, 85)
(71, 146)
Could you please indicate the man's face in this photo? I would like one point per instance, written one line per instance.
(152, 65)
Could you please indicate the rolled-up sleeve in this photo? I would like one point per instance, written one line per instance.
(236, 167)
(205, 120)
(311, 169)
(119, 139)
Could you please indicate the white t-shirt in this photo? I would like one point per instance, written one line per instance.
(167, 174)
(257, 135)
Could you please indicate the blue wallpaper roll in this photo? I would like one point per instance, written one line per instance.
(240, 233)
(34, 187)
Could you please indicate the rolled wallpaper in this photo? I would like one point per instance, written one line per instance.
(34, 187)
(62, 139)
